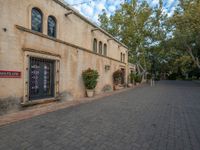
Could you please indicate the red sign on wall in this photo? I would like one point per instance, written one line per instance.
(10, 74)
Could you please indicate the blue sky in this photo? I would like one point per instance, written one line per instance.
(93, 8)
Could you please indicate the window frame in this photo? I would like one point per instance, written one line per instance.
(100, 48)
(41, 23)
(121, 57)
(124, 58)
(55, 21)
(95, 45)
(105, 49)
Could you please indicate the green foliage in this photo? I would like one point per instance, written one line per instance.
(194, 73)
(117, 77)
(157, 42)
(104, 21)
(173, 76)
(137, 78)
(142, 28)
(183, 64)
(186, 33)
(131, 77)
(90, 77)
(149, 76)
(182, 67)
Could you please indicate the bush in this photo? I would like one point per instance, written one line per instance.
(131, 77)
(107, 88)
(149, 76)
(157, 78)
(117, 77)
(138, 78)
(173, 76)
(90, 77)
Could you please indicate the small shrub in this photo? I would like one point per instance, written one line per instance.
(157, 78)
(149, 76)
(107, 88)
(131, 77)
(173, 76)
(138, 78)
(90, 77)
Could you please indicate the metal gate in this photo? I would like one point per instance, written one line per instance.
(41, 78)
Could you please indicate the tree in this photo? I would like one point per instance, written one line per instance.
(128, 24)
(186, 24)
(158, 43)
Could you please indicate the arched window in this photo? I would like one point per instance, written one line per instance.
(95, 45)
(51, 26)
(121, 57)
(100, 48)
(36, 20)
(105, 49)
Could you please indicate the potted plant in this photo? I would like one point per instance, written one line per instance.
(90, 77)
(138, 79)
(117, 79)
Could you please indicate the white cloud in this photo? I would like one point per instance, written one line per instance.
(154, 2)
(112, 8)
(87, 10)
(101, 6)
(93, 8)
(95, 18)
(170, 2)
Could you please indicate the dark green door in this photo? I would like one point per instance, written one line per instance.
(41, 78)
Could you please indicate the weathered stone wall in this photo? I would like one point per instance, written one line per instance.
(73, 59)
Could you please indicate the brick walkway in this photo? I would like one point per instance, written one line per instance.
(37, 110)
(164, 117)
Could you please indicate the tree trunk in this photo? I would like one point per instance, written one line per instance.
(195, 59)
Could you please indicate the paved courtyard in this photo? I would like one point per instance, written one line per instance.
(164, 117)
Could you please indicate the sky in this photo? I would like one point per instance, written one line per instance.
(92, 8)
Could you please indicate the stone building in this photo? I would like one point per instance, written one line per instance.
(44, 47)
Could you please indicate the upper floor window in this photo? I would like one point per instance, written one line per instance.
(105, 49)
(100, 48)
(95, 45)
(121, 57)
(51, 26)
(36, 20)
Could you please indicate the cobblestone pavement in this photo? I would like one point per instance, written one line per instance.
(164, 117)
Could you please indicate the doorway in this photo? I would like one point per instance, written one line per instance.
(41, 78)
(123, 76)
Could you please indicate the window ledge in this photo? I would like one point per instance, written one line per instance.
(39, 101)
(63, 42)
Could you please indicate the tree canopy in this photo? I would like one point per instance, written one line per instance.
(186, 29)
(157, 42)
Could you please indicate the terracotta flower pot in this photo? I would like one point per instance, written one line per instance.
(130, 85)
(90, 93)
(118, 87)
